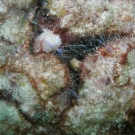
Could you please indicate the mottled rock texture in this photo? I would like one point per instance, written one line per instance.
(67, 67)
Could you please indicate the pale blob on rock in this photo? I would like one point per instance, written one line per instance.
(47, 42)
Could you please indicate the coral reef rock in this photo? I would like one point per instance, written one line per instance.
(108, 88)
(83, 17)
(67, 67)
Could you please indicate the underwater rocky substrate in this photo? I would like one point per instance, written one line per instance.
(80, 51)
(44, 104)
(85, 86)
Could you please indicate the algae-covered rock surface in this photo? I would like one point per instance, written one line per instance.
(67, 67)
